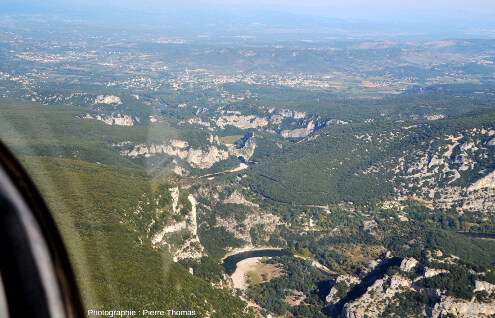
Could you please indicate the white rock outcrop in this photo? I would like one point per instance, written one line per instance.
(484, 286)
(114, 119)
(486, 182)
(197, 158)
(462, 308)
(430, 272)
(246, 152)
(408, 264)
(376, 299)
(299, 132)
(345, 280)
(242, 122)
(109, 99)
(237, 198)
(190, 248)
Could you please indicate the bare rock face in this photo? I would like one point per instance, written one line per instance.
(114, 119)
(300, 132)
(109, 99)
(242, 122)
(343, 280)
(383, 293)
(462, 308)
(206, 158)
(435, 171)
(408, 264)
(237, 198)
(376, 298)
(487, 182)
(369, 225)
(190, 248)
(484, 286)
(491, 142)
(430, 272)
(336, 122)
(246, 152)
(197, 158)
(434, 117)
(198, 121)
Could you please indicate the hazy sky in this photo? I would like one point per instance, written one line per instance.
(441, 11)
(475, 6)
(325, 7)
(479, 6)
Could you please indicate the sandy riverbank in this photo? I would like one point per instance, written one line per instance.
(243, 267)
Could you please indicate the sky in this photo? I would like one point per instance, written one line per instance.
(441, 16)
(364, 6)
(323, 7)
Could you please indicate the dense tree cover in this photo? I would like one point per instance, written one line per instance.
(356, 162)
(403, 239)
(450, 219)
(458, 283)
(299, 275)
(355, 110)
(407, 304)
(305, 310)
(206, 268)
(216, 239)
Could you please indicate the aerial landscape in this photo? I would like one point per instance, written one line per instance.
(224, 162)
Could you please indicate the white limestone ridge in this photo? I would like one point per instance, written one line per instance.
(242, 122)
(197, 158)
(114, 119)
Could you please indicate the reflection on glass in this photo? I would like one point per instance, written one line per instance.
(4, 311)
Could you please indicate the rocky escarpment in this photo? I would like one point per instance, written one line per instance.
(376, 298)
(114, 119)
(190, 247)
(242, 219)
(81, 99)
(462, 308)
(285, 122)
(245, 151)
(385, 294)
(272, 117)
(437, 173)
(242, 122)
(201, 158)
(197, 158)
(299, 132)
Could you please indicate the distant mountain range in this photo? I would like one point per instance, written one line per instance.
(195, 19)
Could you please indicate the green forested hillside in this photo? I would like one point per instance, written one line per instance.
(61, 131)
(357, 162)
(116, 266)
(404, 106)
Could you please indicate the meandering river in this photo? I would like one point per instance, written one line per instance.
(230, 262)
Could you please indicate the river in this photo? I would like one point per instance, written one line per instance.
(478, 235)
(230, 262)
